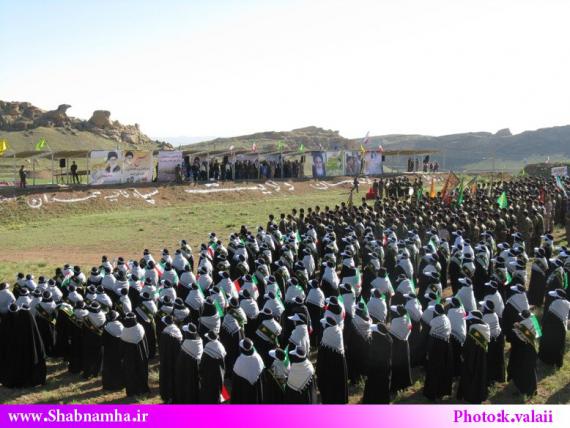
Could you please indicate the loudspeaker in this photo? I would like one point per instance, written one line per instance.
(62, 163)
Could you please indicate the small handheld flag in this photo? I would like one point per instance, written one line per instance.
(301, 148)
(502, 200)
(280, 146)
(254, 147)
(432, 189)
(3, 146)
(40, 144)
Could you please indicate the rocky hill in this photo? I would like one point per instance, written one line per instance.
(19, 120)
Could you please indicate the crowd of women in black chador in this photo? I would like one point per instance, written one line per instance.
(297, 310)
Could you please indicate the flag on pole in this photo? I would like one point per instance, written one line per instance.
(541, 195)
(362, 150)
(450, 183)
(301, 148)
(280, 146)
(432, 188)
(460, 195)
(502, 200)
(366, 139)
(560, 184)
(419, 194)
(40, 144)
(3, 146)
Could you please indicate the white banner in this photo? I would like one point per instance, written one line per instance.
(559, 171)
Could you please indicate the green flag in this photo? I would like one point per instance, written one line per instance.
(419, 194)
(218, 308)
(460, 194)
(280, 146)
(536, 325)
(40, 144)
(502, 201)
(298, 237)
(301, 148)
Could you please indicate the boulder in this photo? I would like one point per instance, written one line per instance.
(101, 119)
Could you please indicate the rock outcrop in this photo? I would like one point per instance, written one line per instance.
(23, 116)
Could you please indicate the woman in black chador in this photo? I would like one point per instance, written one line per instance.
(212, 368)
(186, 377)
(135, 356)
(332, 377)
(247, 382)
(400, 328)
(275, 378)
(301, 387)
(439, 356)
(169, 346)
(92, 340)
(524, 350)
(554, 325)
(24, 364)
(112, 375)
(377, 387)
(473, 386)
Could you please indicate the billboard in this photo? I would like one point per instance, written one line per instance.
(352, 163)
(167, 162)
(137, 167)
(106, 167)
(373, 163)
(334, 164)
(319, 167)
(559, 171)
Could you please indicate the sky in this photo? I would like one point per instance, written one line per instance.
(226, 68)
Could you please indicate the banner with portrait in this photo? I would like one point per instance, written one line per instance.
(373, 163)
(352, 163)
(333, 164)
(137, 166)
(167, 162)
(319, 164)
(106, 167)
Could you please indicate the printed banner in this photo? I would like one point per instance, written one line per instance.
(352, 163)
(319, 167)
(167, 162)
(373, 163)
(106, 167)
(559, 171)
(137, 167)
(334, 164)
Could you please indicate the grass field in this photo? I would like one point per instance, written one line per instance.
(38, 240)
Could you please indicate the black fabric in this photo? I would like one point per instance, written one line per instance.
(377, 386)
(186, 380)
(112, 373)
(135, 366)
(439, 369)
(553, 340)
(169, 350)
(332, 376)
(211, 379)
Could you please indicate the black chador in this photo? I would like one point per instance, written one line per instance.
(186, 376)
(538, 273)
(145, 313)
(212, 369)
(315, 305)
(515, 304)
(247, 382)
(135, 356)
(209, 320)
(473, 386)
(400, 330)
(332, 372)
(496, 350)
(439, 356)
(267, 335)
(92, 340)
(232, 331)
(301, 387)
(554, 325)
(80, 312)
(45, 317)
(169, 344)
(357, 348)
(377, 387)
(112, 374)
(524, 350)
(24, 364)
(275, 378)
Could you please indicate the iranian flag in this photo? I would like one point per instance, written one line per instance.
(237, 286)
(224, 395)
(212, 248)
